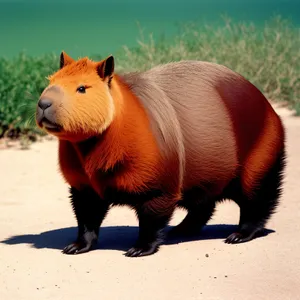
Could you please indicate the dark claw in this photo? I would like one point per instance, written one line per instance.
(236, 238)
(133, 252)
(84, 249)
(77, 248)
(70, 248)
(139, 252)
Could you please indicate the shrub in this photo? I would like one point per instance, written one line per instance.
(21, 80)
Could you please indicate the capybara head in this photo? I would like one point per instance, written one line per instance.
(77, 103)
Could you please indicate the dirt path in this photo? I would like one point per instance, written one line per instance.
(36, 222)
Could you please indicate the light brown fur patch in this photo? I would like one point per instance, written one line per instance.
(203, 128)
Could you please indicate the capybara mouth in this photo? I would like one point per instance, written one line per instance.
(50, 126)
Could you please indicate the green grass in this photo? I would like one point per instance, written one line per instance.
(21, 81)
(268, 56)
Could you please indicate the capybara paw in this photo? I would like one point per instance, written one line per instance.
(77, 248)
(141, 251)
(237, 237)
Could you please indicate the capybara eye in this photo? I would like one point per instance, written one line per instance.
(81, 89)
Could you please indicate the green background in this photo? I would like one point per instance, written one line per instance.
(102, 27)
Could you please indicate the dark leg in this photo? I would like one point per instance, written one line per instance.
(153, 216)
(200, 209)
(256, 210)
(90, 211)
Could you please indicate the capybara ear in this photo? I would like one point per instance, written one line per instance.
(105, 68)
(65, 59)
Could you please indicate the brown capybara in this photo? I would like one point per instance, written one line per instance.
(184, 134)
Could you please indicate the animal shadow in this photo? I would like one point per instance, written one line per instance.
(115, 237)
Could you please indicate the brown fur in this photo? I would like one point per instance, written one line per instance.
(173, 128)
(233, 129)
(183, 86)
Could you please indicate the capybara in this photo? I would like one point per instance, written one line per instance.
(184, 134)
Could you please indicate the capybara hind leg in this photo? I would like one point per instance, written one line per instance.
(251, 222)
(154, 215)
(90, 211)
(256, 210)
(198, 215)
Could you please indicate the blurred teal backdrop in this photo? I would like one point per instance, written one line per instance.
(103, 27)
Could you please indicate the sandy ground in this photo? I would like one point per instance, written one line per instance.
(36, 222)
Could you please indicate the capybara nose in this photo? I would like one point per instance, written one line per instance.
(44, 103)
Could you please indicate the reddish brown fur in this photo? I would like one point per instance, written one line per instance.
(258, 131)
(264, 153)
(128, 139)
(173, 128)
(123, 141)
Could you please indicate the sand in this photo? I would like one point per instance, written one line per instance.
(36, 222)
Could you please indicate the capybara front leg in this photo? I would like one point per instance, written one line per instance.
(154, 215)
(90, 211)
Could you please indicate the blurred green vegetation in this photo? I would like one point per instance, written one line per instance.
(269, 57)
